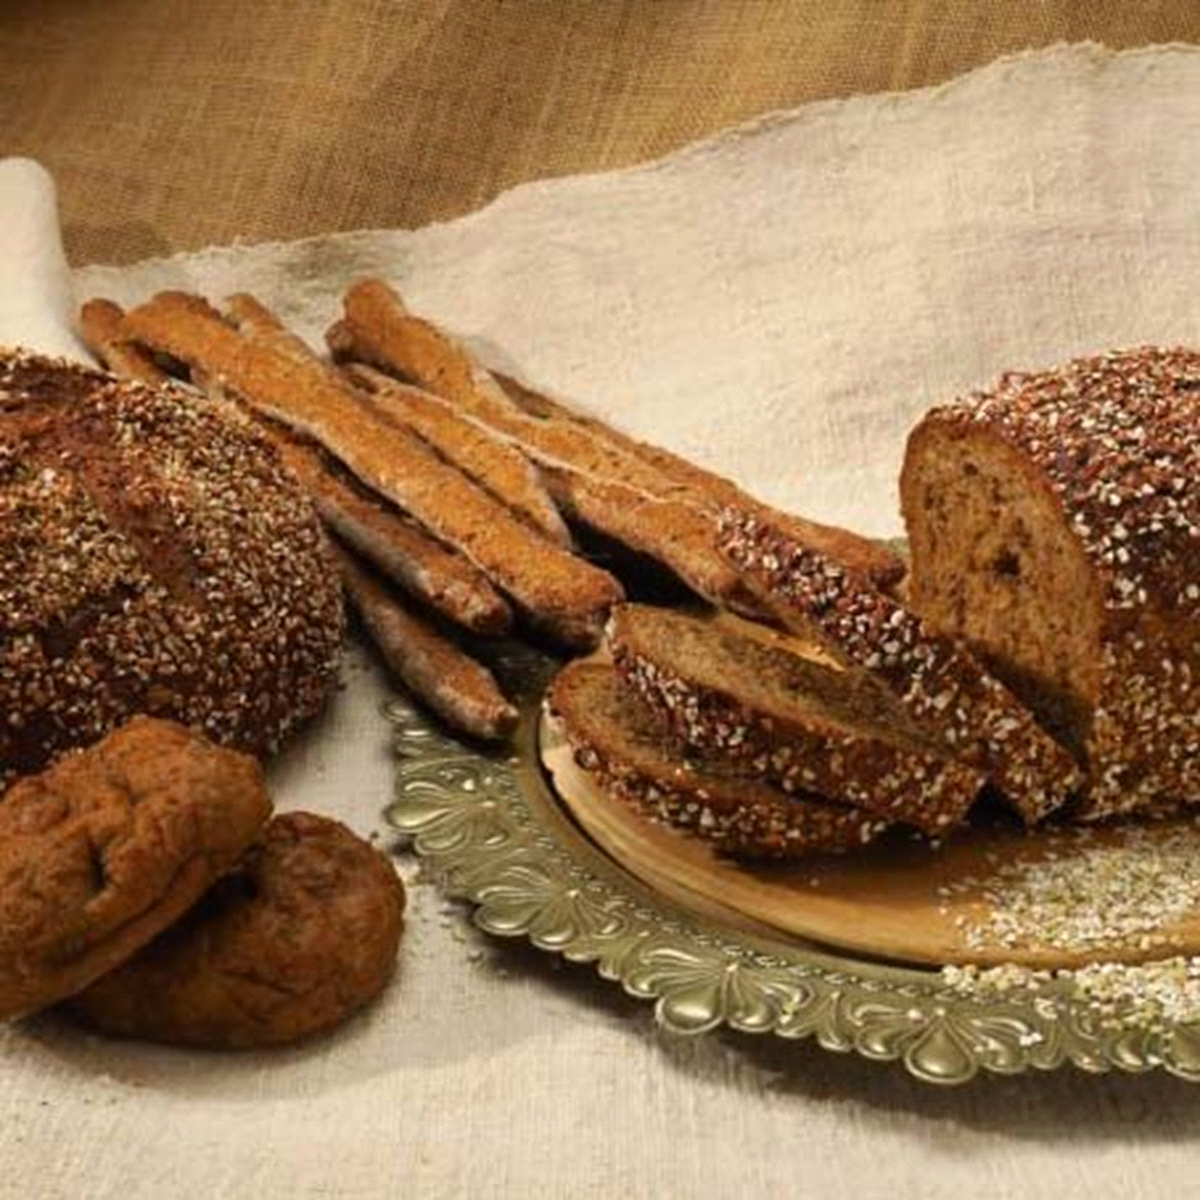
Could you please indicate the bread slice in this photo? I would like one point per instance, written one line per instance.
(945, 691)
(620, 744)
(1055, 527)
(788, 717)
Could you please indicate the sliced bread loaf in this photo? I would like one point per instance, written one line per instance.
(788, 717)
(620, 744)
(1055, 527)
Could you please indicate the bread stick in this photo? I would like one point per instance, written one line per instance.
(491, 461)
(379, 329)
(561, 594)
(456, 687)
(394, 544)
(879, 562)
(257, 323)
(677, 534)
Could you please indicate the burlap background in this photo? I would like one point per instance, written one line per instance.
(171, 124)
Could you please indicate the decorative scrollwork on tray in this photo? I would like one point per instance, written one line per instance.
(489, 829)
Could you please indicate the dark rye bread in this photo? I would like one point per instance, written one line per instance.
(620, 744)
(156, 557)
(796, 721)
(946, 692)
(1055, 527)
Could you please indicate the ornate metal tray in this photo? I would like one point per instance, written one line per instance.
(491, 830)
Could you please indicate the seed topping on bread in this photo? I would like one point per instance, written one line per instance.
(1054, 524)
(155, 555)
(618, 741)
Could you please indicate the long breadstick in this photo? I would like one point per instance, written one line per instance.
(379, 329)
(563, 595)
(677, 534)
(456, 687)
(395, 545)
(491, 461)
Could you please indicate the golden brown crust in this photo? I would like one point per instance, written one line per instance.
(155, 556)
(260, 325)
(303, 934)
(562, 595)
(674, 533)
(108, 847)
(878, 562)
(455, 686)
(492, 462)
(597, 485)
(378, 329)
(393, 543)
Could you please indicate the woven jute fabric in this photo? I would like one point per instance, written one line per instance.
(172, 124)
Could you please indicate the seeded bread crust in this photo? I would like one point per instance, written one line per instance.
(619, 744)
(1112, 442)
(835, 734)
(938, 682)
(157, 557)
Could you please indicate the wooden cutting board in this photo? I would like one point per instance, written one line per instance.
(899, 900)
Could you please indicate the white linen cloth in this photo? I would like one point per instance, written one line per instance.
(779, 302)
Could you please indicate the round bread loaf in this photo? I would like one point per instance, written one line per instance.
(155, 557)
(1054, 524)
